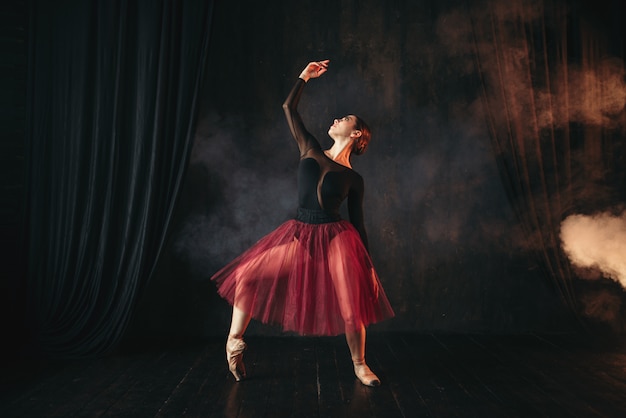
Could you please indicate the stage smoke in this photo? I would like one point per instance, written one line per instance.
(234, 198)
(592, 92)
(597, 242)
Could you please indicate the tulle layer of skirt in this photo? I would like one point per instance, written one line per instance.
(313, 279)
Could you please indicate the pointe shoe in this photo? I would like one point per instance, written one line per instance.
(365, 374)
(234, 356)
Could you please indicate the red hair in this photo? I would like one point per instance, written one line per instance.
(360, 144)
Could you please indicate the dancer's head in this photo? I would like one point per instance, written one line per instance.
(354, 128)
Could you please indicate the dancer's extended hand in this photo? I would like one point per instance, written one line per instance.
(314, 69)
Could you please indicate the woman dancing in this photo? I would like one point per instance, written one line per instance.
(313, 274)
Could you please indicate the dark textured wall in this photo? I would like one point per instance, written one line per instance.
(450, 252)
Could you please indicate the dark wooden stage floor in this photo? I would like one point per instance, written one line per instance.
(422, 375)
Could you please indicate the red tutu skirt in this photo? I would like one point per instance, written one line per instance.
(312, 279)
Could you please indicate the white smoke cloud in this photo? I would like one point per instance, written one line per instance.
(597, 242)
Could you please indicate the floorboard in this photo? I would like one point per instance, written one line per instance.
(423, 375)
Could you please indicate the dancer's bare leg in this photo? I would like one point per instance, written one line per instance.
(267, 264)
(355, 332)
(238, 323)
(356, 344)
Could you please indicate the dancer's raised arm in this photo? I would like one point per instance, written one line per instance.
(305, 140)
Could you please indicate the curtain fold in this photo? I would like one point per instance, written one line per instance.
(113, 96)
(555, 122)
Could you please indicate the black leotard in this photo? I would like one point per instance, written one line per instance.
(323, 184)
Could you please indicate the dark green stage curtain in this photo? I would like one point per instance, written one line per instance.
(113, 96)
(557, 128)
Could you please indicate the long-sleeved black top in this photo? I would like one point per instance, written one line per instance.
(323, 184)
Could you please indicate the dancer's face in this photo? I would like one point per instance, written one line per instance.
(343, 126)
